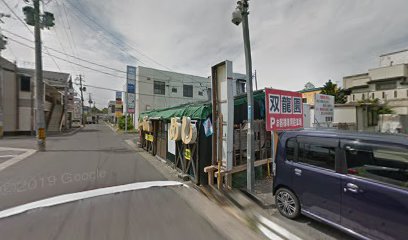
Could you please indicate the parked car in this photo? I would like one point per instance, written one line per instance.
(353, 181)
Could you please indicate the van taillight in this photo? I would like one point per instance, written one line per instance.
(352, 171)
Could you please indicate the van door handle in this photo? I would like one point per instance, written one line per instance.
(351, 187)
(298, 171)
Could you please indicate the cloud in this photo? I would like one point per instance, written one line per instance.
(293, 41)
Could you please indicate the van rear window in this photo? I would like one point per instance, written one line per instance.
(318, 155)
(382, 164)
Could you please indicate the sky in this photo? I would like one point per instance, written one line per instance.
(292, 41)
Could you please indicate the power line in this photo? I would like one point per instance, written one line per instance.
(96, 70)
(21, 20)
(118, 39)
(65, 60)
(144, 94)
(66, 34)
(66, 54)
(24, 23)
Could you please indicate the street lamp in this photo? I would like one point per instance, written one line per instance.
(240, 15)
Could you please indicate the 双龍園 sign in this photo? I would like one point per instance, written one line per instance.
(284, 110)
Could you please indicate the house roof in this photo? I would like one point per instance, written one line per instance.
(310, 90)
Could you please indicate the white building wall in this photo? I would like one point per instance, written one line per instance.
(25, 119)
(147, 100)
(394, 58)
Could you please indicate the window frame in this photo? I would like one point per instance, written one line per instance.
(21, 83)
(326, 141)
(344, 143)
(184, 90)
(161, 83)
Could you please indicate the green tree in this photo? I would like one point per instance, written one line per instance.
(104, 111)
(377, 106)
(330, 88)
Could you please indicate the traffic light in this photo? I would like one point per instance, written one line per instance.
(29, 15)
(48, 20)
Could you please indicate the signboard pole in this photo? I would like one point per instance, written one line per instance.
(274, 142)
(126, 113)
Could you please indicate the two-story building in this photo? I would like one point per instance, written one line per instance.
(17, 101)
(160, 89)
(388, 83)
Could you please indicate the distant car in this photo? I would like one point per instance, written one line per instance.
(353, 181)
(76, 123)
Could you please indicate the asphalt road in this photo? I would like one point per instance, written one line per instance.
(95, 158)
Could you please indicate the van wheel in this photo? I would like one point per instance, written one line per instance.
(287, 203)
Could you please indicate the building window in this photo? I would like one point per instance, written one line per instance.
(372, 95)
(363, 96)
(304, 100)
(159, 88)
(383, 95)
(386, 86)
(200, 93)
(407, 93)
(25, 84)
(395, 94)
(188, 90)
(354, 97)
(174, 90)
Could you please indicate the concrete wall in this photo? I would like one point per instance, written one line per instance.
(393, 71)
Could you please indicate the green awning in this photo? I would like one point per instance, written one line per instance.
(196, 111)
(259, 95)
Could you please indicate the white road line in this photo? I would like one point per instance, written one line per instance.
(268, 233)
(48, 202)
(278, 229)
(18, 158)
(7, 156)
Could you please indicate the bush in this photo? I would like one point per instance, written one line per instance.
(121, 123)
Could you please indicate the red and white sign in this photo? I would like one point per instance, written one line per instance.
(284, 110)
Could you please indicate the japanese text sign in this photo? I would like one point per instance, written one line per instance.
(284, 110)
(324, 108)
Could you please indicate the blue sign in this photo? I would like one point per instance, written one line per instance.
(131, 88)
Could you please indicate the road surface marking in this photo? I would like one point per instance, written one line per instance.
(7, 156)
(278, 229)
(268, 233)
(16, 159)
(61, 199)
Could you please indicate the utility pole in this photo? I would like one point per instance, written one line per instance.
(256, 81)
(82, 100)
(39, 21)
(3, 43)
(65, 105)
(90, 105)
(39, 101)
(241, 15)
